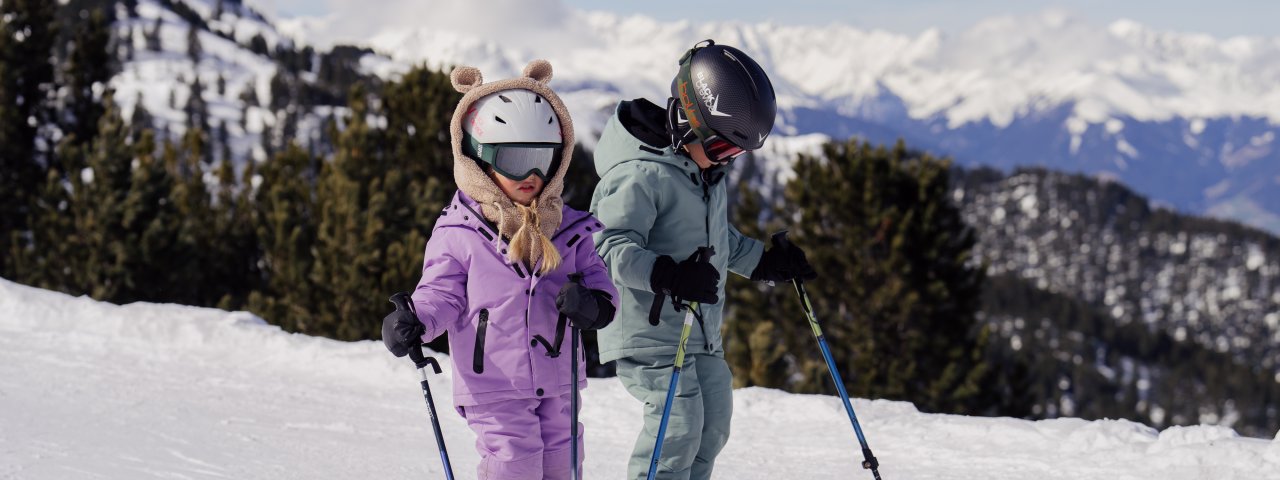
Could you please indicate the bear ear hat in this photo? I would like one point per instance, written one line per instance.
(539, 70)
(466, 78)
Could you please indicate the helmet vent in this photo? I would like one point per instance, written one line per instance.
(537, 99)
(504, 100)
(499, 119)
(550, 119)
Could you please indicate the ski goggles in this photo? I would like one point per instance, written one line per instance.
(515, 161)
(719, 150)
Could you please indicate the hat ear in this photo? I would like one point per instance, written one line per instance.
(466, 78)
(539, 70)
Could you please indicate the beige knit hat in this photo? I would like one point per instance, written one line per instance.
(528, 229)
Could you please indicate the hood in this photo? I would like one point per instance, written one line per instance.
(620, 143)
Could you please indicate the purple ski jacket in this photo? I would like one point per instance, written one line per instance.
(505, 333)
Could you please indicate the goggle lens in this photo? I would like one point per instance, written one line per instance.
(518, 163)
(720, 150)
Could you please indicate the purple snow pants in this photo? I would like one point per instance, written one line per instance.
(524, 439)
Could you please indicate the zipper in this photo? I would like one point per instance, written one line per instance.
(477, 362)
(706, 221)
(706, 201)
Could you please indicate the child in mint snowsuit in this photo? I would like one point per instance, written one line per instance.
(662, 194)
(497, 276)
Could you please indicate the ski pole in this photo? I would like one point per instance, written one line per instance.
(401, 301)
(573, 351)
(868, 459)
(704, 255)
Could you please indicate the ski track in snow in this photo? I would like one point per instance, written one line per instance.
(93, 390)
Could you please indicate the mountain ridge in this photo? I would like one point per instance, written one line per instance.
(1188, 119)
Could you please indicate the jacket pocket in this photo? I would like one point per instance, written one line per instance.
(477, 362)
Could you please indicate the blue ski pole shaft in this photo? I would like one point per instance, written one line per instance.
(868, 459)
(435, 423)
(671, 390)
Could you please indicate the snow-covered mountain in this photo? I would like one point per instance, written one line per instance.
(1188, 119)
(92, 390)
(253, 80)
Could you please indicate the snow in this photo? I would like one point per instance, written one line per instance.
(94, 390)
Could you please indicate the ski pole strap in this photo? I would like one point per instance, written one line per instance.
(553, 349)
(655, 310)
(422, 361)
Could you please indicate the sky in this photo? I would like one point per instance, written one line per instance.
(1223, 18)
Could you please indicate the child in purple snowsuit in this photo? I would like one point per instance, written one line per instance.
(497, 275)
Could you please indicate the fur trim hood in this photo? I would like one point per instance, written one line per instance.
(544, 215)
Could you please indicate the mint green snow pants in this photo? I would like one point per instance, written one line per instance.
(699, 423)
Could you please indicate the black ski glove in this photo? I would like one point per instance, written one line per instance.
(587, 309)
(782, 263)
(690, 280)
(401, 331)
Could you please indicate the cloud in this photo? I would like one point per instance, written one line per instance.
(359, 21)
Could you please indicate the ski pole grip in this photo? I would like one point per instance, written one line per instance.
(401, 301)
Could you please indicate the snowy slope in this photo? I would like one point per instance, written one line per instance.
(93, 390)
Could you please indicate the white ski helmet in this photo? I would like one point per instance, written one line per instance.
(514, 131)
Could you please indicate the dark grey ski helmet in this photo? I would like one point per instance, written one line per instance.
(720, 93)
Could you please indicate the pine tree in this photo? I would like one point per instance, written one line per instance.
(418, 110)
(153, 223)
(98, 206)
(89, 67)
(44, 259)
(258, 45)
(26, 75)
(284, 220)
(755, 344)
(141, 119)
(126, 43)
(194, 49)
(153, 36)
(896, 293)
(224, 142)
(190, 197)
(235, 255)
(282, 91)
(197, 111)
(581, 179)
(352, 233)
